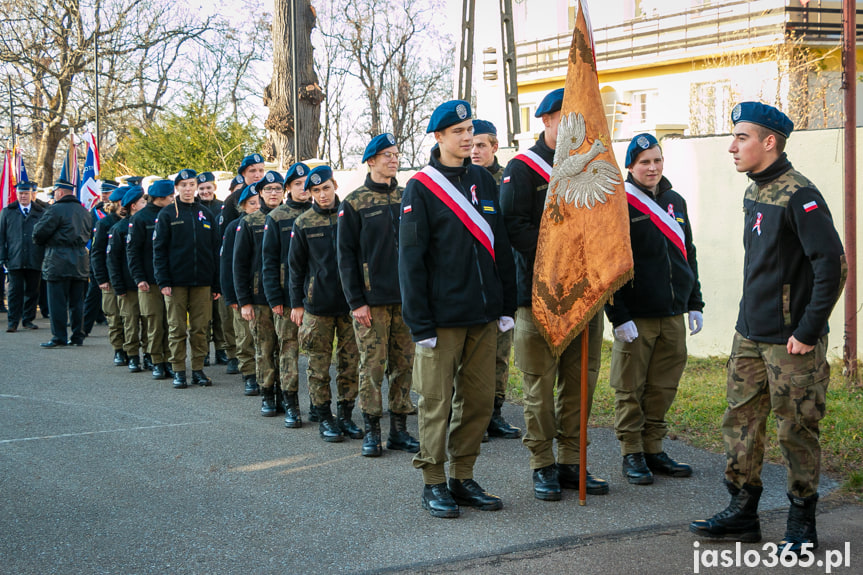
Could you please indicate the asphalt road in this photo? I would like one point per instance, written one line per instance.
(103, 471)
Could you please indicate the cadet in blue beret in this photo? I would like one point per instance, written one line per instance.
(139, 253)
(216, 333)
(485, 146)
(93, 300)
(251, 170)
(522, 198)
(318, 302)
(368, 267)
(795, 271)
(236, 182)
(454, 203)
(638, 144)
(248, 192)
(117, 194)
(186, 174)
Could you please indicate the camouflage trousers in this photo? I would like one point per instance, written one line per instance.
(316, 337)
(385, 348)
(226, 320)
(245, 343)
(264, 334)
(548, 416)
(153, 308)
(501, 363)
(188, 306)
(111, 309)
(134, 324)
(289, 353)
(761, 377)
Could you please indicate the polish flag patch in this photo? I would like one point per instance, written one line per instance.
(341, 213)
(407, 209)
(810, 206)
(506, 179)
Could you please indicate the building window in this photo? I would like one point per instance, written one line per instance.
(709, 107)
(642, 104)
(526, 114)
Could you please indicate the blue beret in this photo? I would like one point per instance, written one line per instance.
(109, 186)
(763, 115)
(25, 186)
(551, 103)
(378, 145)
(206, 177)
(132, 195)
(318, 176)
(160, 189)
(134, 180)
(637, 145)
(186, 174)
(248, 192)
(481, 127)
(63, 185)
(270, 177)
(118, 193)
(448, 114)
(237, 180)
(297, 171)
(249, 160)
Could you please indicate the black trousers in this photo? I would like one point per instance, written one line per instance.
(23, 295)
(92, 305)
(66, 302)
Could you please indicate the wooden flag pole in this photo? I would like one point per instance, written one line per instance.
(582, 437)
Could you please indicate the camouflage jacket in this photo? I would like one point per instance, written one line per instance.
(368, 246)
(794, 265)
(275, 250)
(248, 282)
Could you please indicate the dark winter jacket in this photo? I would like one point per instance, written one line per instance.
(118, 267)
(17, 250)
(99, 247)
(64, 230)
(248, 279)
(276, 248)
(186, 246)
(139, 250)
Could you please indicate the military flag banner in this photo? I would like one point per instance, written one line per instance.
(584, 253)
(90, 189)
(7, 186)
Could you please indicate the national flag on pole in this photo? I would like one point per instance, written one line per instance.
(7, 188)
(90, 189)
(20, 169)
(584, 253)
(90, 139)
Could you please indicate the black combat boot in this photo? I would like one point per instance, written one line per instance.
(148, 362)
(800, 528)
(546, 483)
(498, 427)
(635, 469)
(251, 382)
(344, 410)
(399, 437)
(200, 378)
(134, 364)
(313, 415)
(233, 366)
(328, 427)
(268, 402)
(372, 439)
(469, 493)
(293, 417)
(180, 380)
(569, 479)
(120, 358)
(738, 522)
(438, 501)
(159, 371)
(207, 360)
(661, 463)
(221, 357)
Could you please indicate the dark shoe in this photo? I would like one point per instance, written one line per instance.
(134, 364)
(221, 357)
(233, 367)
(399, 437)
(268, 402)
(313, 415)
(569, 477)
(800, 528)
(372, 439)
(328, 427)
(738, 522)
(293, 417)
(635, 469)
(147, 363)
(439, 502)
(200, 378)
(159, 371)
(207, 360)
(11, 329)
(75, 342)
(546, 485)
(251, 382)
(29, 325)
(168, 369)
(120, 358)
(344, 412)
(180, 380)
(662, 464)
(52, 344)
(468, 492)
(498, 427)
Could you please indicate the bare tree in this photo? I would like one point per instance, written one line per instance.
(279, 94)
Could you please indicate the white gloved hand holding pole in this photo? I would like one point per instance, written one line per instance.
(626, 332)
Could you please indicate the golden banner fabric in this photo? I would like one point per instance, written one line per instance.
(584, 253)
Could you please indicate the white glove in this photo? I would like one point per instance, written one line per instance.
(696, 322)
(505, 323)
(626, 332)
(430, 342)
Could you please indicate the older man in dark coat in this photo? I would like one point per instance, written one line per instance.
(21, 256)
(64, 230)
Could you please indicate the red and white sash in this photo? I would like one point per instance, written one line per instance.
(446, 192)
(660, 218)
(538, 165)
